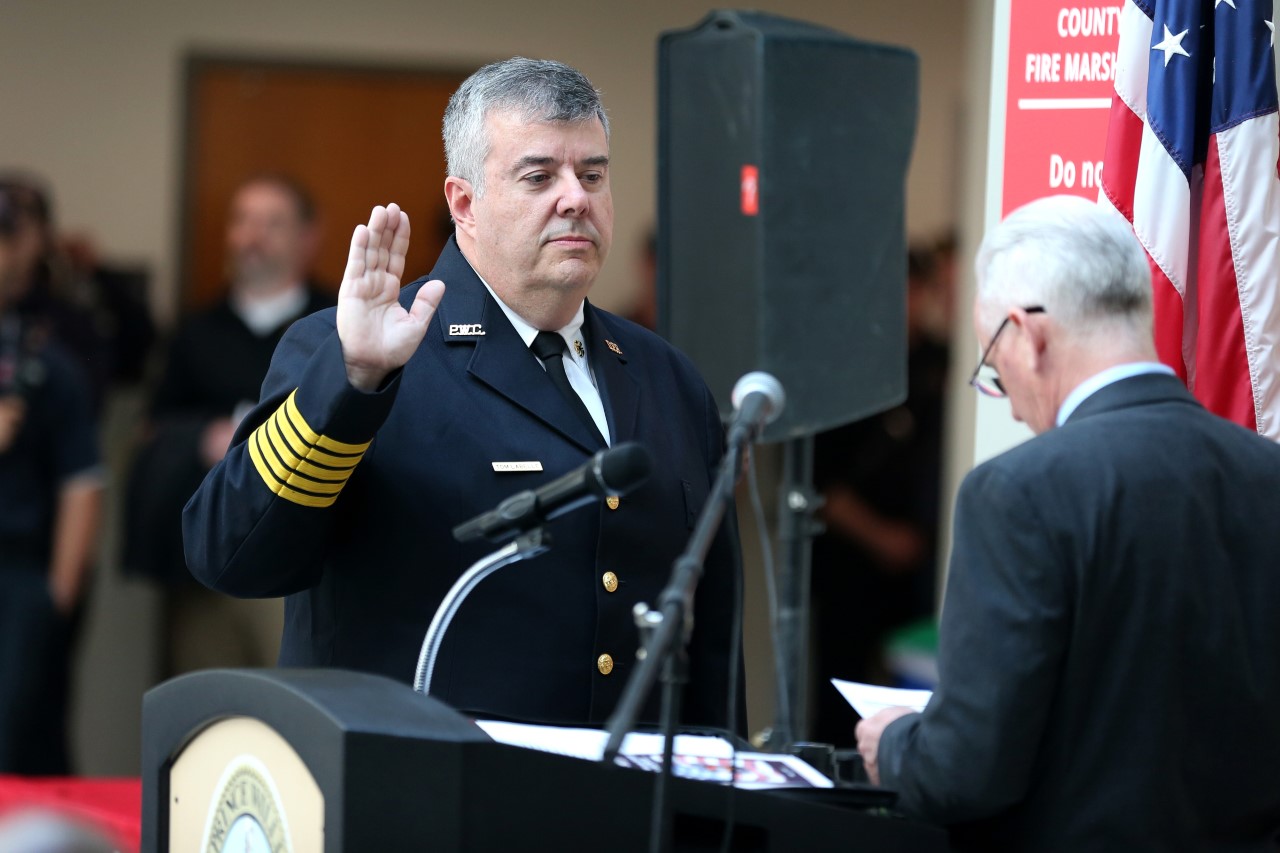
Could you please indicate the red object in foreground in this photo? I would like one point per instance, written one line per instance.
(112, 807)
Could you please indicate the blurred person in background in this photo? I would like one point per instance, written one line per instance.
(61, 288)
(215, 365)
(50, 507)
(644, 310)
(874, 567)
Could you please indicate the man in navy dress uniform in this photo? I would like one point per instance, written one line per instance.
(403, 412)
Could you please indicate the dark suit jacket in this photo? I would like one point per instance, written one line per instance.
(365, 572)
(1110, 642)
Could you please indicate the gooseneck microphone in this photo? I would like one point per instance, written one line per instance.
(758, 399)
(613, 471)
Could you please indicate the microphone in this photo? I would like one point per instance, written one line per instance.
(613, 471)
(758, 399)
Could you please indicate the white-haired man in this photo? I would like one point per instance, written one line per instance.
(1109, 654)
(406, 412)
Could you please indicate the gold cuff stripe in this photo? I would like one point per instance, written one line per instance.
(310, 436)
(290, 458)
(287, 453)
(292, 478)
(294, 441)
(279, 488)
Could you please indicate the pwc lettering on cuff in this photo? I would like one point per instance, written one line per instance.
(466, 330)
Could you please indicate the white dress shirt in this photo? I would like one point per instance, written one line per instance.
(576, 366)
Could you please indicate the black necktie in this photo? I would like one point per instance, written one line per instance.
(549, 347)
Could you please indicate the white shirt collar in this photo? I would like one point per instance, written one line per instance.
(265, 314)
(1098, 381)
(572, 333)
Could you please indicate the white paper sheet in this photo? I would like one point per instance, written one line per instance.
(869, 699)
(696, 757)
(590, 743)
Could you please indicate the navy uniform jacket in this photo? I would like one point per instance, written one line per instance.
(1109, 656)
(344, 502)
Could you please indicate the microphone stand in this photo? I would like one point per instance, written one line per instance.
(660, 629)
(531, 543)
(796, 529)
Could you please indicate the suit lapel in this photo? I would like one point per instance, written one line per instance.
(619, 389)
(501, 360)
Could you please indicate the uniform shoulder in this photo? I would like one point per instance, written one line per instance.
(410, 290)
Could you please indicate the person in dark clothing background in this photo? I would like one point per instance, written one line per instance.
(874, 568)
(58, 288)
(50, 505)
(211, 377)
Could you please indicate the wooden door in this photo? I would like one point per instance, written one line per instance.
(354, 137)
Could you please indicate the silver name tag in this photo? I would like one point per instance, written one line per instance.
(517, 466)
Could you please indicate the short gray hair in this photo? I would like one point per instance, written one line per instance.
(538, 89)
(1080, 261)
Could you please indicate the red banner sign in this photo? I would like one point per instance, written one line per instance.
(1060, 82)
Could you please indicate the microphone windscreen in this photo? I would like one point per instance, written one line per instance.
(759, 382)
(624, 467)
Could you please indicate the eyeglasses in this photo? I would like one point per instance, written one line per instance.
(992, 387)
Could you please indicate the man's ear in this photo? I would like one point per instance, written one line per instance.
(1034, 328)
(460, 196)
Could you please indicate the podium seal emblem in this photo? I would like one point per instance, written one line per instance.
(245, 815)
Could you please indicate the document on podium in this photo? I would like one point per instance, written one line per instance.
(870, 699)
(694, 756)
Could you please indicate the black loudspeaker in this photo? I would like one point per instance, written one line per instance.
(782, 159)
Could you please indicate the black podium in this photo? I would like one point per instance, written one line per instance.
(328, 760)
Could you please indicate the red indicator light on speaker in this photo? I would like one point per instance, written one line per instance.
(750, 190)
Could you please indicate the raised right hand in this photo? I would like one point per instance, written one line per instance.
(377, 334)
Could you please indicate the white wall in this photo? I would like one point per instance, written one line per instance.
(91, 96)
(92, 93)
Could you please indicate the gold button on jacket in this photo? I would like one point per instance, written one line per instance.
(604, 663)
(613, 501)
(610, 581)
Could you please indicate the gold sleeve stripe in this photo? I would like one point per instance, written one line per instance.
(289, 477)
(279, 488)
(310, 436)
(289, 457)
(298, 464)
(296, 443)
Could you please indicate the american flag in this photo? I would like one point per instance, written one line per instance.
(1193, 162)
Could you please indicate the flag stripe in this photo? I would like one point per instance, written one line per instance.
(1251, 190)
(1120, 172)
(1192, 163)
(1222, 366)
